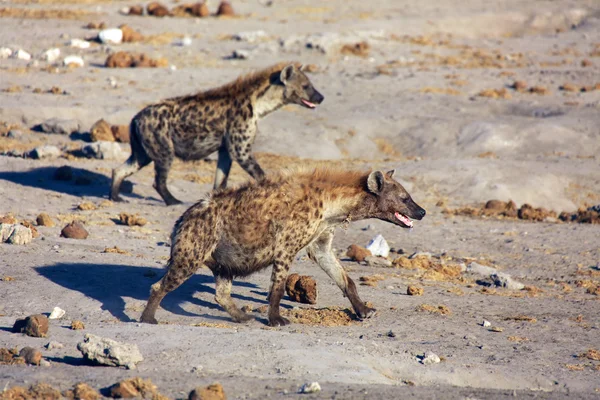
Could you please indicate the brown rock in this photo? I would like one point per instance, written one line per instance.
(82, 391)
(8, 219)
(210, 392)
(519, 86)
(120, 59)
(225, 8)
(33, 229)
(156, 9)
(587, 63)
(74, 230)
(136, 10)
(34, 325)
(86, 206)
(96, 25)
(496, 205)
(101, 131)
(358, 253)
(302, 289)
(200, 10)
(64, 173)
(130, 35)
(77, 325)
(123, 390)
(414, 291)
(132, 220)
(135, 387)
(360, 49)
(31, 356)
(541, 90)
(142, 60)
(120, 133)
(569, 87)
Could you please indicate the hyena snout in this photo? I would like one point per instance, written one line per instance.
(317, 98)
(416, 212)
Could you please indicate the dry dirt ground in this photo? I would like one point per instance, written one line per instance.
(430, 94)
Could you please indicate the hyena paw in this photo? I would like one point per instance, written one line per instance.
(148, 320)
(242, 317)
(278, 321)
(117, 199)
(366, 312)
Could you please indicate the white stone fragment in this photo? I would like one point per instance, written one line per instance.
(109, 352)
(79, 44)
(73, 61)
(379, 247)
(250, 36)
(430, 358)
(57, 313)
(20, 235)
(486, 324)
(45, 152)
(5, 52)
(103, 150)
(51, 55)
(312, 387)
(111, 36)
(21, 55)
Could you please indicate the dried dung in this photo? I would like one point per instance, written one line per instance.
(136, 387)
(414, 291)
(441, 309)
(360, 49)
(101, 131)
(82, 391)
(371, 280)
(132, 220)
(86, 206)
(320, 316)
(225, 9)
(301, 288)
(44, 220)
(77, 325)
(210, 392)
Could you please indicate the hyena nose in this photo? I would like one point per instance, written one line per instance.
(422, 213)
(317, 98)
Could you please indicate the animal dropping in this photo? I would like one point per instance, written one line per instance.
(237, 232)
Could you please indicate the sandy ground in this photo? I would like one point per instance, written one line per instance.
(413, 103)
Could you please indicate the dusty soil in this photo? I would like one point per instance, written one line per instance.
(469, 101)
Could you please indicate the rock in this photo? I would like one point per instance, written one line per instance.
(79, 43)
(20, 235)
(5, 231)
(34, 326)
(45, 152)
(373, 261)
(123, 59)
(30, 226)
(241, 54)
(110, 36)
(64, 173)
(96, 25)
(430, 358)
(486, 324)
(14, 134)
(414, 291)
(44, 363)
(476, 268)
(54, 345)
(82, 391)
(120, 133)
(51, 55)
(302, 288)
(21, 55)
(504, 280)
(210, 392)
(225, 8)
(157, 10)
(59, 126)
(200, 9)
(73, 61)
(44, 220)
(101, 131)
(130, 35)
(250, 36)
(379, 247)
(312, 387)
(184, 42)
(102, 150)
(31, 355)
(5, 52)
(57, 313)
(358, 253)
(77, 325)
(120, 59)
(109, 352)
(135, 10)
(74, 230)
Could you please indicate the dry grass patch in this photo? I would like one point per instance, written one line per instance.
(523, 318)
(25, 13)
(320, 316)
(440, 309)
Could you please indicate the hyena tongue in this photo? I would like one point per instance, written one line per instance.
(404, 219)
(308, 103)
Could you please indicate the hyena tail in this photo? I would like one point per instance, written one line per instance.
(139, 158)
(194, 239)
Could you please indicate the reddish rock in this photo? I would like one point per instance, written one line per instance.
(358, 253)
(74, 230)
(225, 8)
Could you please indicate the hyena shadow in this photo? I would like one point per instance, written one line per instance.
(110, 283)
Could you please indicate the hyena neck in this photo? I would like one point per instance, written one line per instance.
(267, 99)
(347, 209)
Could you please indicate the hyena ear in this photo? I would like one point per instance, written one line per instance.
(390, 174)
(287, 73)
(375, 182)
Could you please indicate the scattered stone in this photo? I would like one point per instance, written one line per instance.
(441, 309)
(357, 253)
(414, 291)
(120, 133)
(5, 52)
(74, 230)
(135, 10)
(96, 25)
(476, 268)
(371, 280)
(312, 387)
(77, 325)
(102, 150)
(210, 392)
(101, 131)
(379, 247)
(225, 8)
(241, 54)
(430, 358)
(360, 49)
(156, 9)
(504, 280)
(519, 86)
(302, 288)
(109, 352)
(130, 35)
(31, 355)
(34, 326)
(86, 206)
(131, 219)
(123, 59)
(73, 61)
(135, 387)
(250, 36)
(14, 134)
(496, 329)
(110, 36)
(57, 313)
(21, 55)
(54, 345)
(64, 173)
(376, 262)
(569, 87)
(82, 391)
(541, 90)
(495, 93)
(45, 152)
(18, 234)
(79, 43)
(184, 42)
(51, 55)
(486, 324)
(59, 126)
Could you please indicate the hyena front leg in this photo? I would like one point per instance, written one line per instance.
(223, 298)
(281, 267)
(239, 146)
(320, 252)
(223, 167)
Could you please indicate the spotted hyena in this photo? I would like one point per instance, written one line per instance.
(237, 232)
(222, 119)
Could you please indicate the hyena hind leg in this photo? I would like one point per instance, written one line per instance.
(128, 168)
(223, 298)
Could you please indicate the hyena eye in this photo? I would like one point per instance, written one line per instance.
(306, 87)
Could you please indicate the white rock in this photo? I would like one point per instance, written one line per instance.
(124, 11)
(44, 363)
(20, 235)
(57, 313)
(379, 247)
(5, 52)
(312, 387)
(430, 358)
(504, 280)
(45, 152)
(59, 126)
(73, 61)
(21, 55)
(103, 150)
(51, 55)
(486, 324)
(250, 36)
(373, 261)
(5, 231)
(79, 43)
(109, 352)
(476, 268)
(111, 36)
(185, 41)
(240, 54)
(54, 345)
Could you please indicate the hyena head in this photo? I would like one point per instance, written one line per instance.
(392, 202)
(298, 89)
